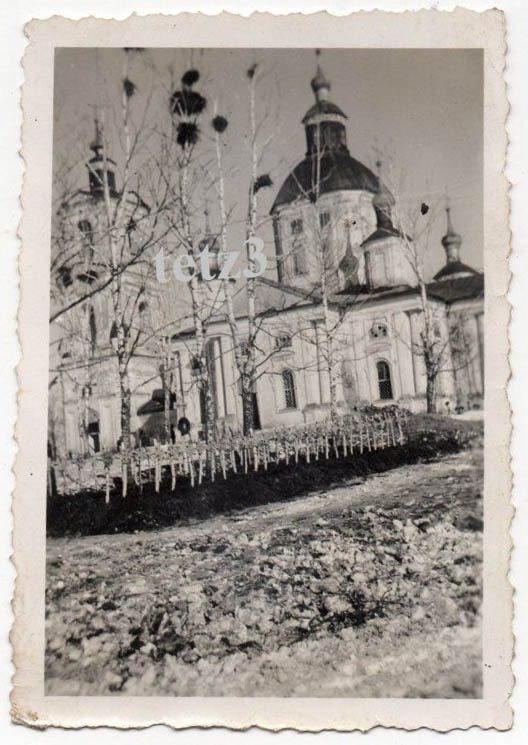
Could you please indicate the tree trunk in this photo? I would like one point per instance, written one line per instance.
(430, 394)
(165, 377)
(210, 413)
(124, 389)
(166, 413)
(329, 349)
(248, 418)
(333, 392)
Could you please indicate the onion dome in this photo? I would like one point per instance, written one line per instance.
(452, 242)
(338, 172)
(383, 200)
(210, 242)
(326, 141)
(324, 122)
(323, 107)
(455, 268)
(320, 84)
(101, 168)
(383, 203)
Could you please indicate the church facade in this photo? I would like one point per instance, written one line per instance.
(342, 268)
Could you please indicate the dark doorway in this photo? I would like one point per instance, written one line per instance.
(94, 437)
(256, 413)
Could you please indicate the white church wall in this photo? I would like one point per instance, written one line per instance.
(466, 317)
(351, 217)
(387, 263)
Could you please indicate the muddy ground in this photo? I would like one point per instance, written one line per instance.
(369, 589)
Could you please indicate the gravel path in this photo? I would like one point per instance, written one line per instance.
(370, 589)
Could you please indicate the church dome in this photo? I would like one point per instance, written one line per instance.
(454, 268)
(327, 155)
(320, 81)
(339, 172)
(323, 107)
(452, 242)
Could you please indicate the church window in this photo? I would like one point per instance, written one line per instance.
(65, 275)
(298, 256)
(288, 382)
(297, 226)
(324, 220)
(97, 180)
(283, 342)
(384, 271)
(384, 380)
(378, 331)
(331, 135)
(85, 227)
(143, 315)
(244, 348)
(377, 270)
(299, 263)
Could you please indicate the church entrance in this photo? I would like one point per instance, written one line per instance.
(256, 413)
(94, 443)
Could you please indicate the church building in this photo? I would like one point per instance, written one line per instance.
(343, 267)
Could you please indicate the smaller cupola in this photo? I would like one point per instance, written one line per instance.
(452, 242)
(324, 121)
(211, 243)
(321, 86)
(101, 168)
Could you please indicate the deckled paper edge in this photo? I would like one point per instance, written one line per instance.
(29, 705)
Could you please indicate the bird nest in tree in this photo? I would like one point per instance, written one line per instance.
(187, 103)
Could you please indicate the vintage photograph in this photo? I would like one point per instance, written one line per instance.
(266, 383)
(263, 435)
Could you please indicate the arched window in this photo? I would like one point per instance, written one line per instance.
(143, 309)
(288, 382)
(384, 380)
(297, 252)
(85, 227)
(324, 220)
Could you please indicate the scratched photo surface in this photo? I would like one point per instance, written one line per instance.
(266, 373)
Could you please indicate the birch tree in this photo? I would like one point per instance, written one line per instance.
(182, 168)
(244, 342)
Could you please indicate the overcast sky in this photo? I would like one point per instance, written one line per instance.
(422, 108)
